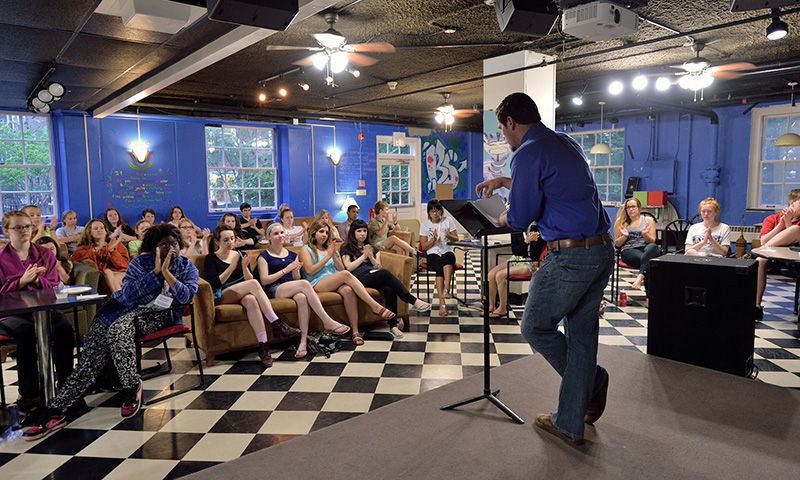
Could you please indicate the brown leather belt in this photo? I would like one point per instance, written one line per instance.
(572, 243)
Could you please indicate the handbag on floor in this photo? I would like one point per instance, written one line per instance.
(324, 343)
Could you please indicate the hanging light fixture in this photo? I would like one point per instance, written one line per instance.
(600, 148)
(789, 139)
(778, 28)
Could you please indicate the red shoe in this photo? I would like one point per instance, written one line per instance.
(131, 400)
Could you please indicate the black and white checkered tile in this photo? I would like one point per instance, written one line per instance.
(243, 407)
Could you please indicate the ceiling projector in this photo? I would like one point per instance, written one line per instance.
(599, 21)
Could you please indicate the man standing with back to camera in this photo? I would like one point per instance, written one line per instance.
(551, 183)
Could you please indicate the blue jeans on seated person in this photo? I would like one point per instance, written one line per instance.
(569, 285)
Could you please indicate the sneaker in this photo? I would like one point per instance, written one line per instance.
(50, 421)
(759, 313)
(281, 330)
(131, 400)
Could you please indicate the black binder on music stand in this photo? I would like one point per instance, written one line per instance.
(480, 226)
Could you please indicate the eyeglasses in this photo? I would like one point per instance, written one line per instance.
(21, 228)
(632, 207)
(187, 227)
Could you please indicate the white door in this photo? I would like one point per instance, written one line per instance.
(399, 176)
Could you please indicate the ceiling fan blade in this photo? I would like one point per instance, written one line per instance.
(375, 47)
(735, 66)
(304, 62)
(361, 60)
(290, 47)
(727, 75)
(464, 113)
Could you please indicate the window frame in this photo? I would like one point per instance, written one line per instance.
(758, 121)
(604, 135)
(242, 169)
(396, 159)
(51, 165)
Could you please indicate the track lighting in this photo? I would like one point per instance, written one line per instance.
(262, 97)
(615, 88)
(639, 82)
(778, 28)
(41, 100)
(304, 86)
(283, 92)
(663, 84)
(577, 100)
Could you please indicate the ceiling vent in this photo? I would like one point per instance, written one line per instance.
(599, 21)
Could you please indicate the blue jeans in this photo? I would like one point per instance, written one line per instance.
(569, 285)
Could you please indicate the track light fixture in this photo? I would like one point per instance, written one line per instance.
(778, 28)
(52, 92)
(577, 100)
(615, 87)
(303, 85)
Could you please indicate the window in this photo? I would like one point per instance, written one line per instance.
(394, 173)
(27, 174)
(774, 171)
(240, 163)
(607, 168)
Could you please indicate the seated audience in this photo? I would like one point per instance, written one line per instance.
(323, 268)
(251, 226)
(434, 233)
(379, 228)
(364, 262)
(142, 226)
(709, 238)
(284, 206)
(110, 257)
(175, 214)
(150, 215)
(778, 230)
(192, 245)
(279, 273)
(64, 264)
(228, 272)
(69, 232)
(116, 226)
(241, 240)
(352, 216)
(294, 235)
(526, 248)
(325, 217)
(635, 236)
(157, 280)
(27, 266)
(40, 229)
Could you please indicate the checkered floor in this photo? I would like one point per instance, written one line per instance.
(244, 408)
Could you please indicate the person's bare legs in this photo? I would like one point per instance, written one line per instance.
(492, 277)
(763, 267)
(351, 308)
(251, 307)
(440, 295)
(303, 315)
(637, 284)
(398, 245)
(448, 278)
(292, 288)
(113, 279)
(332, 283)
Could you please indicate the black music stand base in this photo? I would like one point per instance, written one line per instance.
(492, 397)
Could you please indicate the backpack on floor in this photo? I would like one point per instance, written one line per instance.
(324, 343)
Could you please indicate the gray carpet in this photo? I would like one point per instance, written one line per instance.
(664, 420)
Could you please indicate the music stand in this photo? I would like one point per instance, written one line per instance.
(480, 227)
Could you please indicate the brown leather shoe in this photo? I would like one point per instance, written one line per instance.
(546, 423)
(281, 330)
(598, 404)
(263, 354)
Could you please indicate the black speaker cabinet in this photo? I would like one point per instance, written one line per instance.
(526, 17)
(633, 185)
(702, 311)
(271, 14)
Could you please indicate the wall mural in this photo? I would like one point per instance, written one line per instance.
(496, 152)
(445, 156)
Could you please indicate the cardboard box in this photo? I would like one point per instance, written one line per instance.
(642, 197)
(657, 198)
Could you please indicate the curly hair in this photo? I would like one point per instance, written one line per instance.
(86, 236)
(312, 231)
(156, 234)
(350, 246)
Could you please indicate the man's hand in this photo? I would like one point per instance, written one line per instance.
(532, 237)
(487, 188)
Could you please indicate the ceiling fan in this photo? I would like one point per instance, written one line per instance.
(699, 74)
(446, 113)
(334, 54)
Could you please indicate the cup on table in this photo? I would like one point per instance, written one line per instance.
(62, 291)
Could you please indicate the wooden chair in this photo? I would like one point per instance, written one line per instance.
(161, 336)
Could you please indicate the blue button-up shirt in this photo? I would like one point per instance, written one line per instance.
(552, 184)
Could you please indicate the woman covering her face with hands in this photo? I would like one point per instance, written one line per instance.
(279, 272)
(26, 266)
(157, 281)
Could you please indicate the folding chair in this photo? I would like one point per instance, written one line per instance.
(161, 336)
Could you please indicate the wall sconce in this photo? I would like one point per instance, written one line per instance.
(334, 155)
(139, 149)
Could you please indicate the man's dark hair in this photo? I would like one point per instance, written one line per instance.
(520, 107)
(156, 234)
(351, 207)
(245, 205)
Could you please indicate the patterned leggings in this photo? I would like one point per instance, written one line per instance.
(115, 342)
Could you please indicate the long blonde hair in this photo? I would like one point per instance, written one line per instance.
(623, 219)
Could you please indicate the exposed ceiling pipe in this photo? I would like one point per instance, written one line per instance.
(650, 103)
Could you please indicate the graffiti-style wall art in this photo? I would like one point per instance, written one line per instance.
(496, 152)
(445, 156)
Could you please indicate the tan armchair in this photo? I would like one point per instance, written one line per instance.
(83, 275)
(224, 328)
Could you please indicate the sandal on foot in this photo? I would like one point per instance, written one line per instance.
(338, 330)
(396, 334)
(497, 315)
(300, 353)
(446, 294)
(442, 311)
(358, 339)
(382, 313)
(424, 309)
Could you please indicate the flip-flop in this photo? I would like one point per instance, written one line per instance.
(442, 311)
(337, 333)
(298, 353)
(358, 339)
(395, 334)
(497, 315)
(423, 309)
